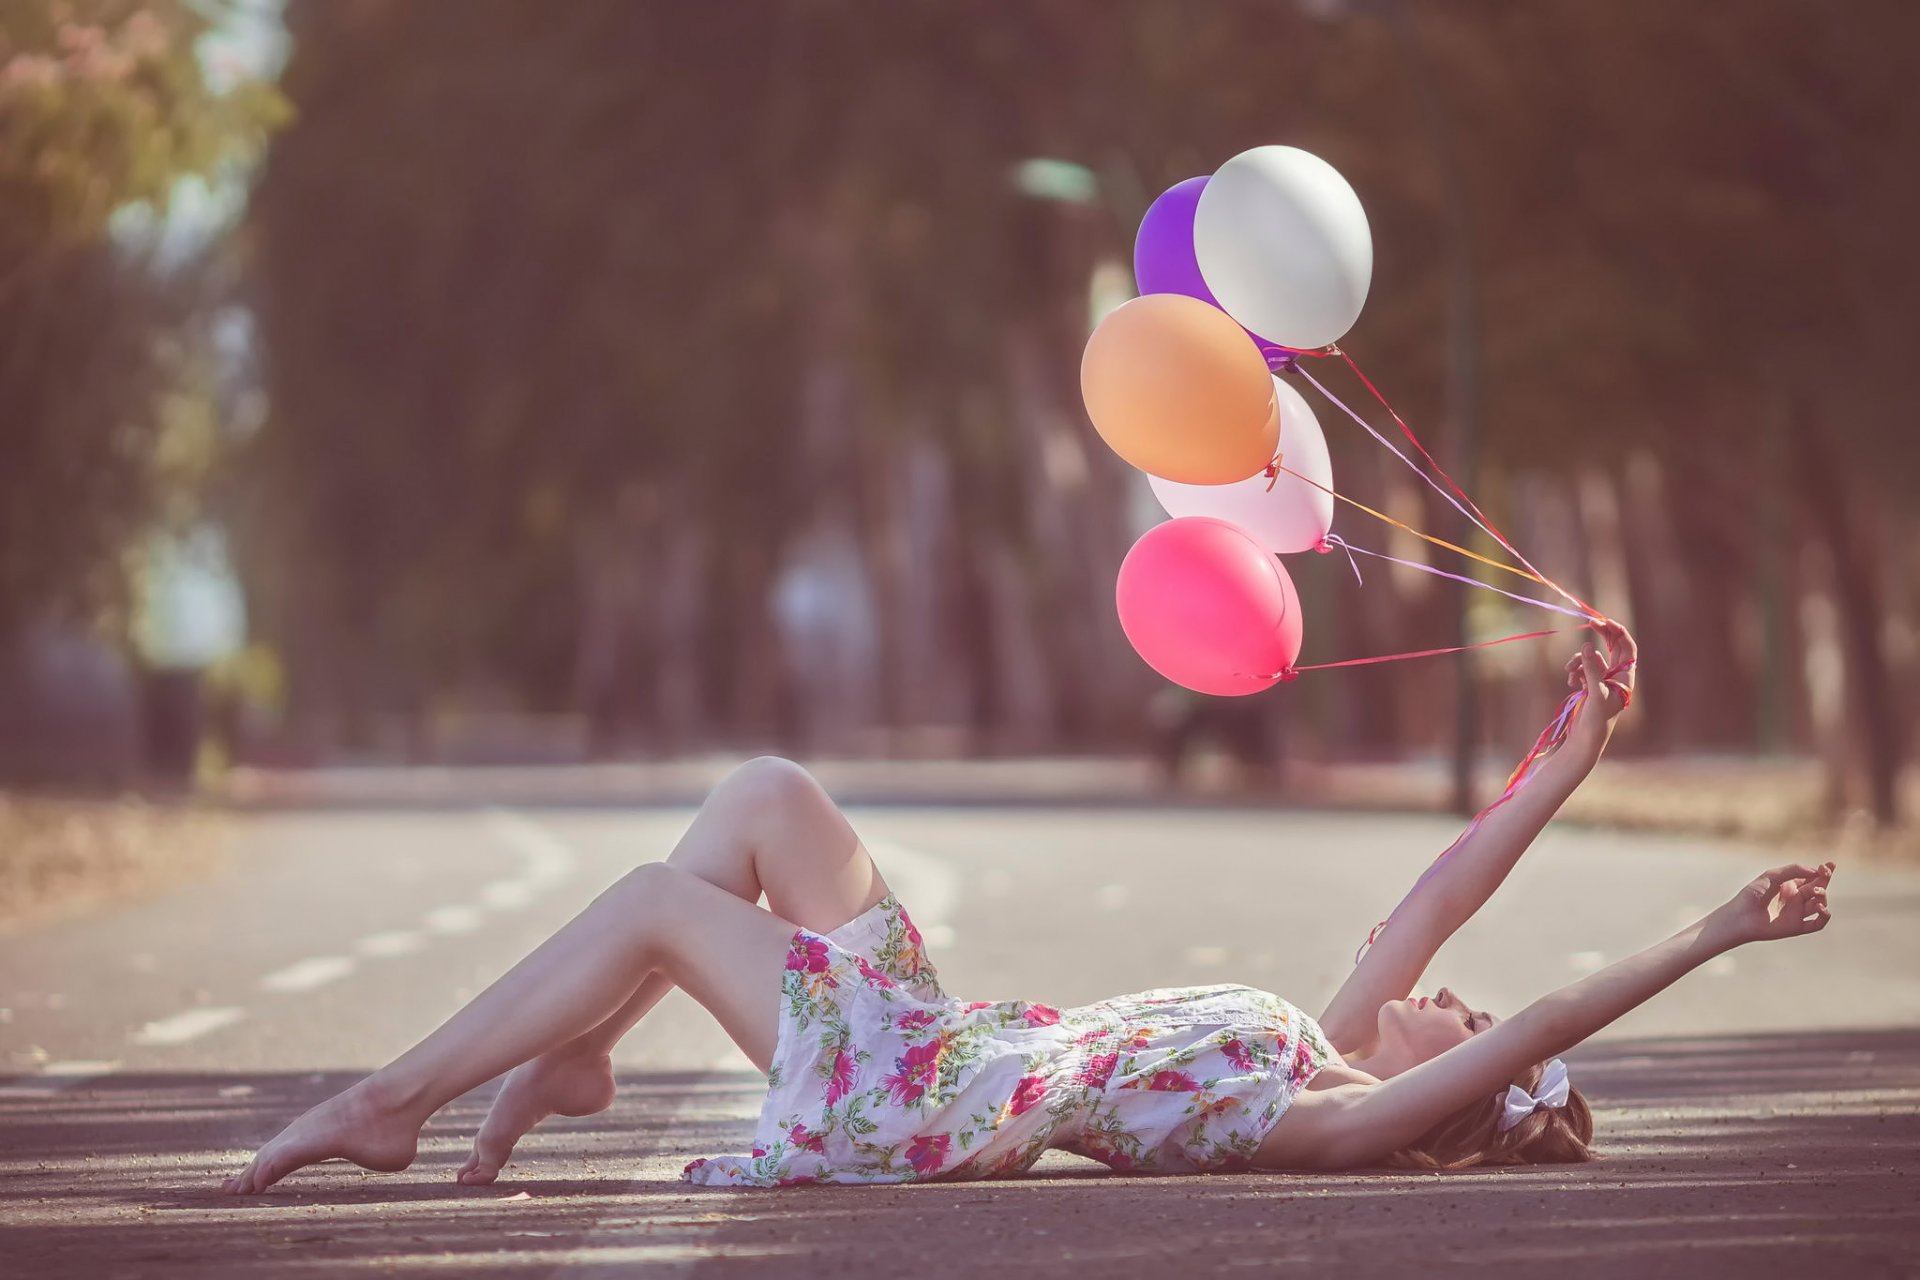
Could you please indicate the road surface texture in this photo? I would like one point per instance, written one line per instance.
(1761, 1119)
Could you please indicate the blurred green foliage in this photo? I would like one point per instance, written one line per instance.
(584, 327)
(104, 104)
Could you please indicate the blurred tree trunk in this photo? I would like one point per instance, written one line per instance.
(1846, 530)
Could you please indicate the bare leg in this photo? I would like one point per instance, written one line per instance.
(725, 953)
(768, 826)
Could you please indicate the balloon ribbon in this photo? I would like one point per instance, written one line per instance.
(1293, 673)
(1555, 734)
(1550, 740)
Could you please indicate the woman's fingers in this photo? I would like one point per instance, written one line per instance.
(1594, 680)
(1620, 644)
(1622, 653)
(1810, 918)
(1778, 876)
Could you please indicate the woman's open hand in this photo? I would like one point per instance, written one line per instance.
(1608, 684)
(1782, 903)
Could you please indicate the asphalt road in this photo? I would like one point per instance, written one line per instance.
(1763, 1118)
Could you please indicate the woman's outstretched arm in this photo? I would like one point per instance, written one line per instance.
(1463, 881)
(1366, 1123)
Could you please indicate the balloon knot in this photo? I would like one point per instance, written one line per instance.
(1323, 547)
(1289, 675)
(1273, 470)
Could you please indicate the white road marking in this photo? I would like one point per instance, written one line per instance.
(1206, 955)
(548, 858)
(308, 974)
(930, 889)
(508, 895)
(925, 884)
(191, 1025)
(78, 1069)
(57, 1077)
(1720, 966)
(1110, 897)
(1587, 961)
(452, 920)
(394, 942)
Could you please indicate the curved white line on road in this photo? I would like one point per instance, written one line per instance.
(926, 885)
(547, 858)
(508, 895)
(394, 942)
(452, 920)
(930, 890)
(191, 1025)
(309, 974)
(57, 1077)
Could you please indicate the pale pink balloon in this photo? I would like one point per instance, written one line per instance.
(1208, 607)
(1291, 516)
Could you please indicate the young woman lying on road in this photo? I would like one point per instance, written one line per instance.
(876, 1075)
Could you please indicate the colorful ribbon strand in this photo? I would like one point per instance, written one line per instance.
(1472, 509)
(1293, 673)
(1351, 550)
(1404, 527)
(1554, 735)
(1544, 746)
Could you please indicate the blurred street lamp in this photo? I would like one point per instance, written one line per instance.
(1463, 327)
(1045, 178)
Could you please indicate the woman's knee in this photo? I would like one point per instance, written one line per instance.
(770, 785)
(651, 892)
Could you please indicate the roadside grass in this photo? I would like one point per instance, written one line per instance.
(61, 855)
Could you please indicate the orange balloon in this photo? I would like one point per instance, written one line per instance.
(1177, 388)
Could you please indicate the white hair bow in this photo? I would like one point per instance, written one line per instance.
(1519, 1104)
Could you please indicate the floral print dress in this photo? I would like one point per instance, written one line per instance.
(879, 1076)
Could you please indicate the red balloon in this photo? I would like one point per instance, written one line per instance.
(1208, 607)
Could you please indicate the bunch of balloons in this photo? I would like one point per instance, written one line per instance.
(1238, 273)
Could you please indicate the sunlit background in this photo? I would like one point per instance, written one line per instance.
(527, 384)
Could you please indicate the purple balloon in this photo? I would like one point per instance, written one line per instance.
(1164, 262)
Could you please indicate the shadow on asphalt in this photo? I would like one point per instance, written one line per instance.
(1789, 1154)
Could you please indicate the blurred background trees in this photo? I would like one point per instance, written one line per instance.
(106, 111)
(707, 373)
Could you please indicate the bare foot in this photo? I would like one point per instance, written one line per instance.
(552, 1084)
(355, 1125)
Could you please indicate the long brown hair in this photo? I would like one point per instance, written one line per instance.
(1472, 1136)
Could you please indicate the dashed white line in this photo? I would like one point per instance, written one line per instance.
(394, 942)
(58, 1077)
(549, 859)
(451, 920)
(308, 974)
(191, 1025)
(611, 1248)
(546, 860)
(508, 895)
(78, 1069)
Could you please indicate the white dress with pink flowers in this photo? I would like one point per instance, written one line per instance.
(879, 1076)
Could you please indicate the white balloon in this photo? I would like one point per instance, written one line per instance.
(1284, 245)
(1293, 515)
